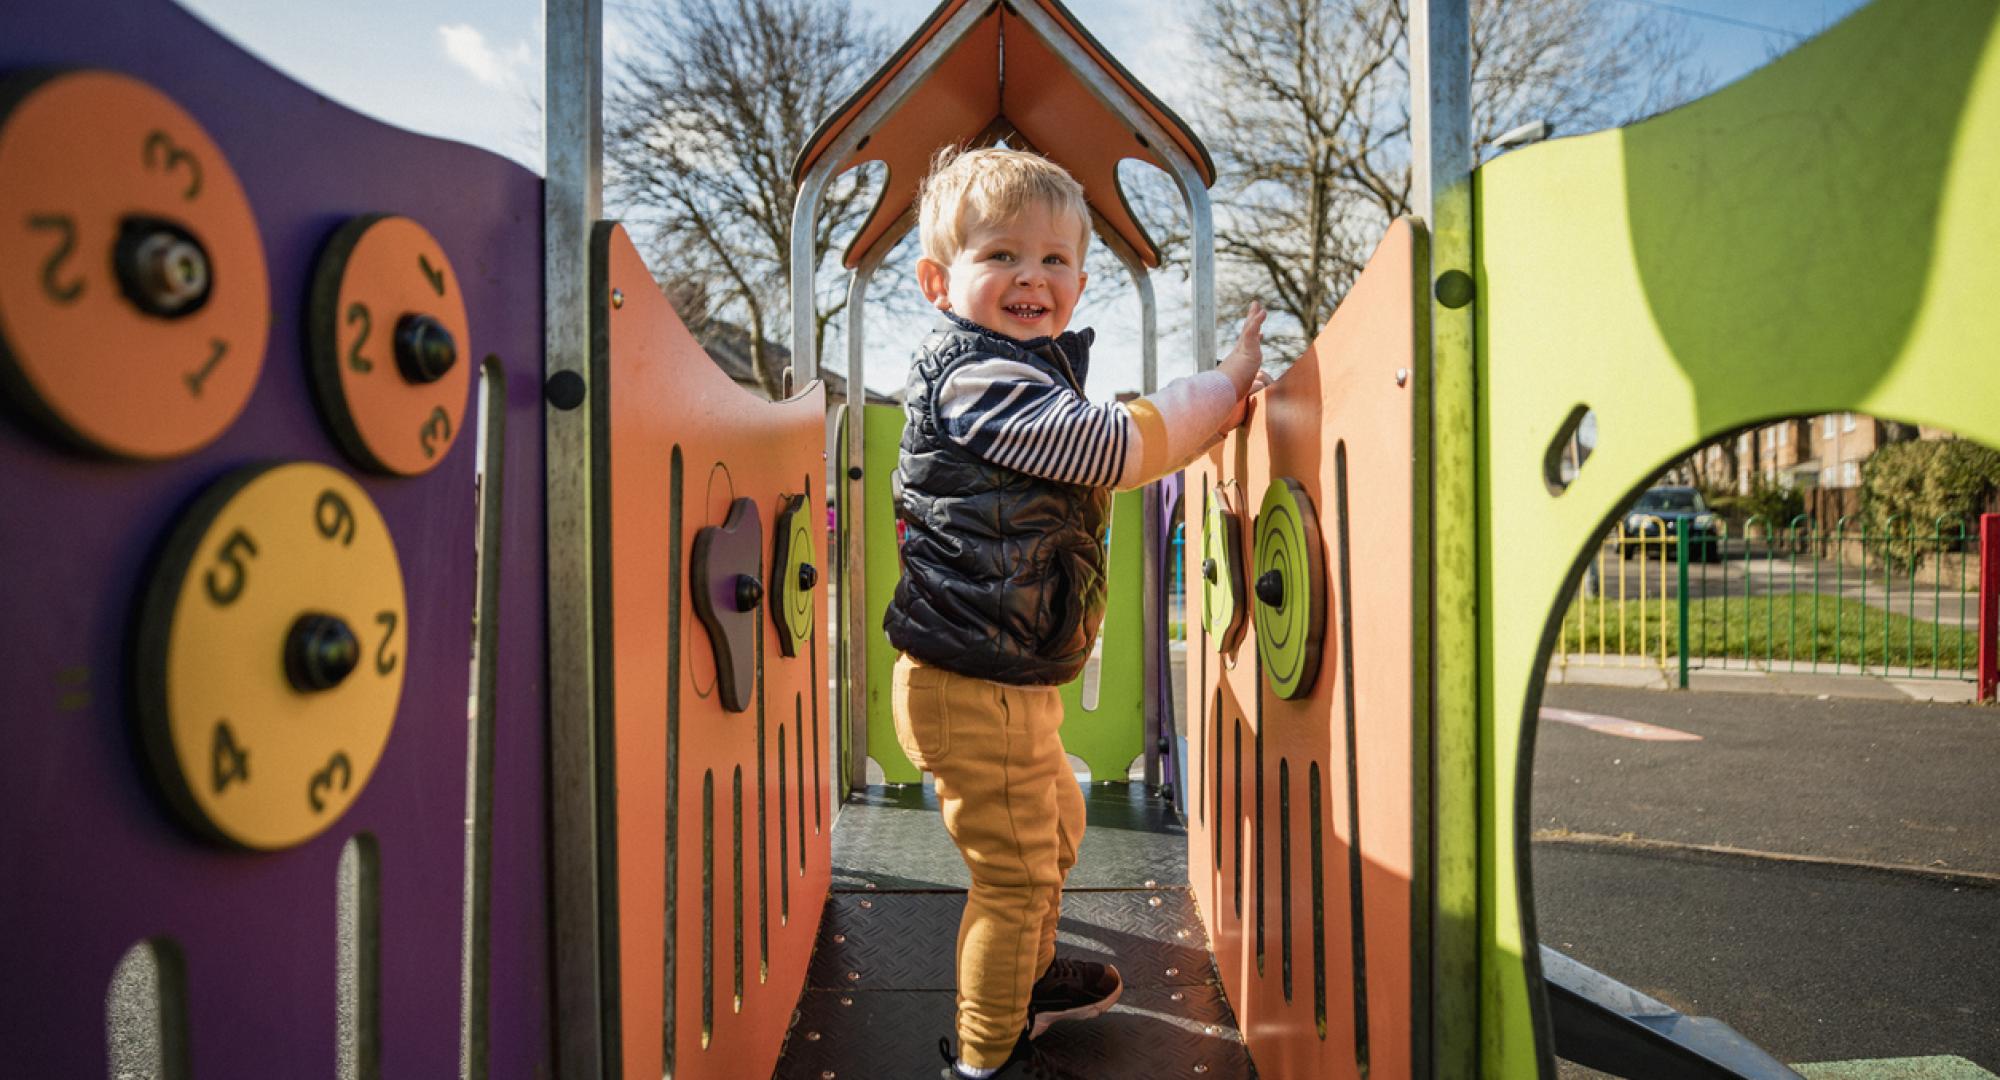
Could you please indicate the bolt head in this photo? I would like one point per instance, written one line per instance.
(320, 652)
(425, 350)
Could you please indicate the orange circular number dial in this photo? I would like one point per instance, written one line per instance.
(133, 299)
(391, 360)
(271, 654)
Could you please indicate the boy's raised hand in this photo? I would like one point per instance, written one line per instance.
(1243, 364)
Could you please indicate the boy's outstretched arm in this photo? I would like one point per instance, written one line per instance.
(1014, 415)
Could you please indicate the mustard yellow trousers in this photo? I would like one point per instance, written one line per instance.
(1013, 807)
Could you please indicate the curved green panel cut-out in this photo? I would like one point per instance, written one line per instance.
(1822, 236)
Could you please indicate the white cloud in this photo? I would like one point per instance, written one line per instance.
(465, 46)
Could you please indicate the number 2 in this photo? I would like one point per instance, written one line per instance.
(358, 313)
(385, 661)
(62, 292)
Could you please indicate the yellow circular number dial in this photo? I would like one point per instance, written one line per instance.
(271, 655)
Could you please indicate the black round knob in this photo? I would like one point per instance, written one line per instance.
(1271, 588)
(808, 576)
(424, 348)
(162, 268)
(1208, 570)
(749, 592)
(320, 652)
(854, 472)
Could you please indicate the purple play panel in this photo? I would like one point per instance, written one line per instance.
(91, 862)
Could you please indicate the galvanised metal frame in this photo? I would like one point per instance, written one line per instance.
(573, 125)
(1442, 162)
(854, 585)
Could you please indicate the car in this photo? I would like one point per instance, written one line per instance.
(1652, 523)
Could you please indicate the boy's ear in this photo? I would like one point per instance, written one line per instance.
(1082, 279)
(935, 281)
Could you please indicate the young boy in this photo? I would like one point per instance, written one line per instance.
(1004, 487)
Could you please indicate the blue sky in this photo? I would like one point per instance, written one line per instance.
(471, 70)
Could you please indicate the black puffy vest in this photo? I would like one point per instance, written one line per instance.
(1003, 573)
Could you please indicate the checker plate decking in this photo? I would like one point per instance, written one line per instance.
(880, 987)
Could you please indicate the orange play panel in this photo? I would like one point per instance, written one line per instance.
(713, 938)
(1302, 844)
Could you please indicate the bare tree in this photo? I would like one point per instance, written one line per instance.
(1306, 109)
(714, 101)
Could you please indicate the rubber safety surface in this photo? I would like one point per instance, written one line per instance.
(879, 992)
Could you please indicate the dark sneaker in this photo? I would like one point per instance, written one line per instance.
(1026, 1062)
(1072, 990)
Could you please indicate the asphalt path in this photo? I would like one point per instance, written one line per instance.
(1912, 783)
(1888, 945)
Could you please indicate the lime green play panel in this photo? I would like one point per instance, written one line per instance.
(1818, 237)
(1108, 733)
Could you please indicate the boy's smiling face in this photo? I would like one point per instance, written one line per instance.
(1020, 277)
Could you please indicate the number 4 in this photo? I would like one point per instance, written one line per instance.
(229, 762)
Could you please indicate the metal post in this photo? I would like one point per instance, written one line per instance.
(1151, 619)
(572, 203)
(1989, 605)
(1682, 535)
(854, 502)
(1441, 160)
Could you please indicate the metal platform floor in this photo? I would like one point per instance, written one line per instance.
(879, 991)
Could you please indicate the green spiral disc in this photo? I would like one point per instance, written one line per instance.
(793, 575)
(1221, 573)
(1290, 589)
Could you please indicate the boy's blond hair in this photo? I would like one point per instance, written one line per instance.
(968, 187)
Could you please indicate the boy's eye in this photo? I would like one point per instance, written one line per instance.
(1001, 256)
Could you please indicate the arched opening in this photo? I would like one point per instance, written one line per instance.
(1750, 790)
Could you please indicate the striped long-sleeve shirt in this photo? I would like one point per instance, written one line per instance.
(1015, 415)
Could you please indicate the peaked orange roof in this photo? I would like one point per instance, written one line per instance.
(1002, 81)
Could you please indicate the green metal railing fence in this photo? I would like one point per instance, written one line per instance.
(1892, 600)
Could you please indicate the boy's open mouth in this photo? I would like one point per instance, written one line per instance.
(1026, 311)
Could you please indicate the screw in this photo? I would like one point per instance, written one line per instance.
(1173, 971)
(1181, 934)
(161, 267)
(1153, 901)
(840, 939)
(1177, 995)
(812, 1036)
(618, 298)
(845, 1000)
(867, 903)
(1402, 376)
(1201, 1068)
(853, 976)
(1151, 884)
